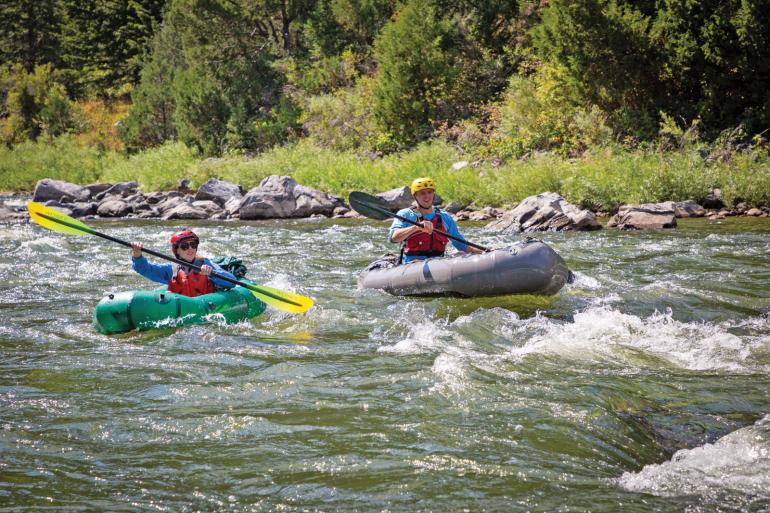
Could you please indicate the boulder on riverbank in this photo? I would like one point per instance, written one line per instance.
(57, 190)
(281, 197)
(647, 216)
(546, 212)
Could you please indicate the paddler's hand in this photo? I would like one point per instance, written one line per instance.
(136, 249)
(206, 270)
(426, 227)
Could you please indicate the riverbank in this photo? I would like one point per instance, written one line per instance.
(601, 180)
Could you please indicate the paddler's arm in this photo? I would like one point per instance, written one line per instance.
(451, 228)
(159, 273)
(219, 283)
(400, 231)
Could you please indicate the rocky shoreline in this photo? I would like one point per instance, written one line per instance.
(281, 197)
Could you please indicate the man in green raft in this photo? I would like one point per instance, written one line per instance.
(422, 242)
(181, 279)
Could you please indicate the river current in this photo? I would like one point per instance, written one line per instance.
(643, 386)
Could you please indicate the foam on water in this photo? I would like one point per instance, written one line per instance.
(738, 462)
(597, 332)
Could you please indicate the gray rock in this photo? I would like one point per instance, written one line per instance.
(453, 207)
(340, 211)
(83, 209)
(186, 211)
(96, 188)
(47, 189)
(170, 203)
(648, 216)
(218, 191)
(232, 207)
(689, 208)
(282, 197)
(545, 212)
(114, 208)
(485, 214)
(398, 198)
(150, 213)
(401, 197)
(312, 202)
(8, 214)
(122, 189)
(211, 207)
(754, 212)
(713, 200)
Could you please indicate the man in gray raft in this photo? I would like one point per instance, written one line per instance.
(421, 242)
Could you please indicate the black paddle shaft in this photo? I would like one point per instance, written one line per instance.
(164, 257)
(360, 199)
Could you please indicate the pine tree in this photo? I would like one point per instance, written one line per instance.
(415, 72)
(30, 32)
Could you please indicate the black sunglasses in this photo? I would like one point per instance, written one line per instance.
(186, 245)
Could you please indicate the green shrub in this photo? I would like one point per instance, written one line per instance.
(155, 169)
(341, 120)
(37, 104)
(415, 74)
(22, 165)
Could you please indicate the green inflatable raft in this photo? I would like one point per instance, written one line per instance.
(148, 309)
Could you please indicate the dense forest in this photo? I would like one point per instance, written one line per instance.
(497, 79)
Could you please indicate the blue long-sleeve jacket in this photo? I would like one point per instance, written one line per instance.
(450, 227)
(162, 273)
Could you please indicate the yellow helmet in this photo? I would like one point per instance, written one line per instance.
(421, 183)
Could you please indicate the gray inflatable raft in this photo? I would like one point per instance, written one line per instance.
(527, 267)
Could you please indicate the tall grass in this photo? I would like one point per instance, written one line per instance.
(604, 180)
(26, 163)
(158, 169)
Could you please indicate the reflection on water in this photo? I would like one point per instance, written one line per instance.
(640, 387)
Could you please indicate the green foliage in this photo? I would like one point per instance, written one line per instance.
(36, 103)
(150, 120)
(324, 74)
(415, 72)
(342, 120)
(717, 64)
(605, 49)
(157, 169)
(541, 113)
(338, 25)
(202, 113)
(104, 42)
(31, 32)
(27, 162)
(704, 60)
(602, 180)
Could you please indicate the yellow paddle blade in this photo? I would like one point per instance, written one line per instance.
(281, 299)
(56, 221)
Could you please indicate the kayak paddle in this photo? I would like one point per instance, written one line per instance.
(375, 208)
(54, 220)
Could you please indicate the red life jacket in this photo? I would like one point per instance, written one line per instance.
(422, 244)
(191, 285)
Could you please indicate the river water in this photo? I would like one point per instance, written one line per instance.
(643, 386)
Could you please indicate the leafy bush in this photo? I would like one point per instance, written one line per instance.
(37, 104)
(415, 72)
(342, 120)
(541, 113)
